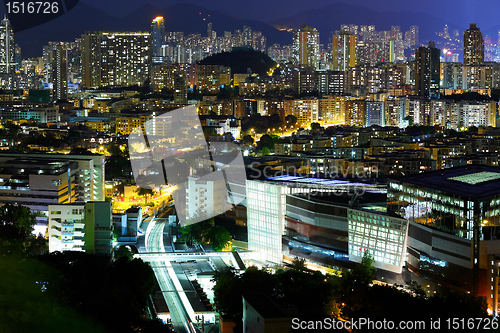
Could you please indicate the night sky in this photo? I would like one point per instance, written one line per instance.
(456, 12)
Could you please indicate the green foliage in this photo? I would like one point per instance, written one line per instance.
(266, 141)
(195, 232)
(124, 252)
(113, 296)
(218, 237)
(114, 149)
(316, 127)
(260, 124)
(416, 288)
(145, 192)
(265, 151)
(351, 296)
(311, 292)
(356, 282)
(28, 307)
(248, 140)
(290, 120)
(228, 290)
(240, 60)
(20, 217)
(116, 166)
(299, 264)
(80, 151)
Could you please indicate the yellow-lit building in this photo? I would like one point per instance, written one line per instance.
(344, 51)
(101, 106)
(207, 79)
(355, 113)
(305, 110)
(99, 126)
(115, 58)
(332, 109)
(125, 125)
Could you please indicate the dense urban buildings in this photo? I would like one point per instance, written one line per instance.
(360, 147)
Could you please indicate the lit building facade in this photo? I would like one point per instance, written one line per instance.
(305, 110)
(115, 58)
(374, 52)
(427, 71)
(207, 79)
(473, 46)
(454, 214)
(157, 38)
(37, 182)
(306, 46)
(7, 48)
(383, 236)
(269, 217)
(206, 196)
(86, 176)
(344, 51)
(86, 227)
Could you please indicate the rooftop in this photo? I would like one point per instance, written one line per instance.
(265, 306)
(473, 181)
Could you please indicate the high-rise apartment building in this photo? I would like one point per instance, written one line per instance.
(59, 77)
(7, 48)
(115, 58)
(305, 110)
(81, 226)
(344, 51)
(411, 36)
(427, 71)
(374, 52)
(306, 46)
(207, 79)
(157, 37)
(473, 46)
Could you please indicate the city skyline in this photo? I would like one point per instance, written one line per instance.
(86, 17)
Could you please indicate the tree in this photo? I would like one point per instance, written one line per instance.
(248, 140)
(299, 264)
(144, 192)
(218, 238)
(228, 290)
(417, 289)
(19, 217)
(316, 127)
(196, 232)
(266, 141)
(356, 282)
(265, 151)
(114, 150)
(291, 120)
(80, 151)
(124, 251)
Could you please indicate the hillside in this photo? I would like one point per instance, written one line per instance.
(240, 60)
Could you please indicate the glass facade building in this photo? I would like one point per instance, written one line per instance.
(452, 200)
(384, 236)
